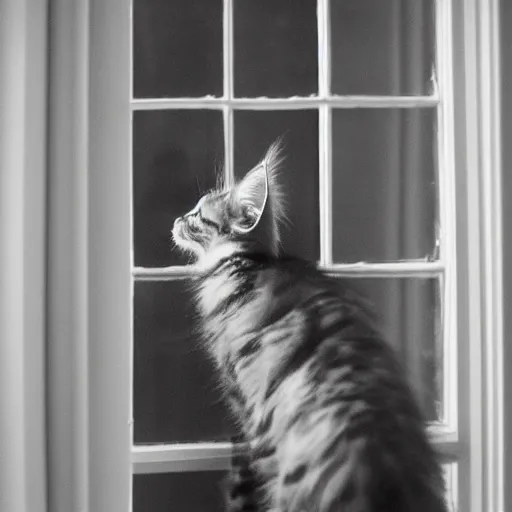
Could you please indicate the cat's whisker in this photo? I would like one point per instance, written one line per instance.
(199, 193)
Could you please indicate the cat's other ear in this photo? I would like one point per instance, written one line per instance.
(251, 196)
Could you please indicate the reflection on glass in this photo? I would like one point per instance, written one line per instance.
(384, 192)
(176, 154)
(275, 50)
(177, 397)
(254, 133)
(382, 47)
(177, 48)
(407, 313)
(179, 492)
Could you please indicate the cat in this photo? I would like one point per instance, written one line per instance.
(321, 398)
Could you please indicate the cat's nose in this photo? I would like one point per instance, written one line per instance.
(177, 221)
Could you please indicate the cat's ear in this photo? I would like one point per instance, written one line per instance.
(251, 195)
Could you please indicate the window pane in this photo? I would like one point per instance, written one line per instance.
(176, 391)
(382, 46)
(179, 492)
(175, 157)
(177, 48)
(276, 48)
(407, 311)
(384, 184)
(254, 132)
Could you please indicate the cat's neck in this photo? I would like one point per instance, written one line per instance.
(211, 258)
(220, 253)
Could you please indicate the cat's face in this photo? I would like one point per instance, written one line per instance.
(247, 212)
(217, 218)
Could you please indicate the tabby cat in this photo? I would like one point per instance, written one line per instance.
(321, 399)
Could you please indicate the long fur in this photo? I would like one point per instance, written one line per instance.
(320, 397)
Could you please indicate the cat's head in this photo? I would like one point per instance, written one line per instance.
(247, 214)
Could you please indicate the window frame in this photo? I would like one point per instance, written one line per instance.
(91, 248)
(147, 459)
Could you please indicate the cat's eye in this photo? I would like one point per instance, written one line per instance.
(193, 225)
(210, 222)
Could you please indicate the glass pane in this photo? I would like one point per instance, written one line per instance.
(177, 48)
(384, 184)
(276, 48)
(407, 312)
(254, 132)
(177, 396)
(175, 157)
(179, 492)
(382, 47)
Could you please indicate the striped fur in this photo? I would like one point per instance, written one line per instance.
(321, 398)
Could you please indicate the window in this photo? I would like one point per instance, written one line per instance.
(381, 189)
(364, 103)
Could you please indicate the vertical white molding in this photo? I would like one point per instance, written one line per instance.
(451, 479)
(506, 116)
(23, 59)
(229, 73)
(229, 142)
(324, 48)
(447, 210)
(491, 168)
(480, 268)
(108, 257)
(131, 355)
(469, 279)
(324, 132)
(89, 313)
(325, 183)
(68, 440)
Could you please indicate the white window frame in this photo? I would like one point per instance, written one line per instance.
(89, 358)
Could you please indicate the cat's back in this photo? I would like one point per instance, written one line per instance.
(348, 430)
(323, 387)
(290, 283)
